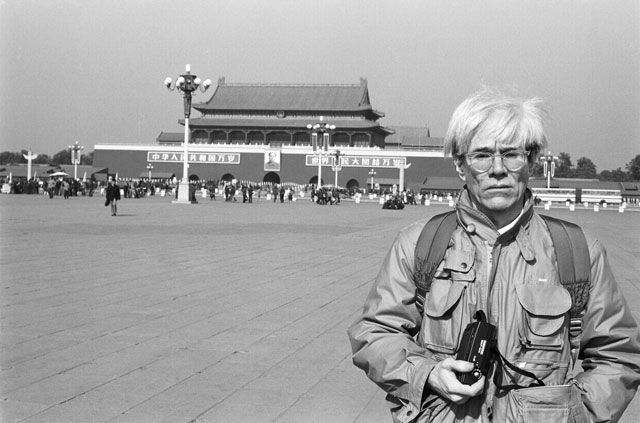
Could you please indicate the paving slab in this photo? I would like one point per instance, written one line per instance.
(211, 312)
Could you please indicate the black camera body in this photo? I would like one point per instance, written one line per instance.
(477, 346)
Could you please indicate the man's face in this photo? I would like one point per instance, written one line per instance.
(497, 192)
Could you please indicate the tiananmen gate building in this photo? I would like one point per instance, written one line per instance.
(258, 133)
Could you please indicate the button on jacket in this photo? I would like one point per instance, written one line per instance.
(514, 279)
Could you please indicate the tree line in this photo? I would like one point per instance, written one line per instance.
(584, 168)
(60, 158)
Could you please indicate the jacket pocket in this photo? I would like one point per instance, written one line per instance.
(444, 314)
(558, 404)
(544, 316)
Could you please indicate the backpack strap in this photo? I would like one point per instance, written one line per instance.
(430, 249)
(573, 261)
(574, 269)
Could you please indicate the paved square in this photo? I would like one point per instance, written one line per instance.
(215, 312)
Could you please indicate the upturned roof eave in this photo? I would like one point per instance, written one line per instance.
(207, 109)
(203, 122)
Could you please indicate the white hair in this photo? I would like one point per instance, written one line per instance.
(509, 120)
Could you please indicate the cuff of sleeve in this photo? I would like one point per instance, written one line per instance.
(421, 369)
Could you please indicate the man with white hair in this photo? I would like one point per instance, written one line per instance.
(499, 262)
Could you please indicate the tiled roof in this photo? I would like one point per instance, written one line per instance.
(413, 136)
(170, 137)
(281, 123)
(288, 97)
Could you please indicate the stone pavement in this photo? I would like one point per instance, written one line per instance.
(215, 312)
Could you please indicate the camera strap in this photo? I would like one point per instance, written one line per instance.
(506, 363)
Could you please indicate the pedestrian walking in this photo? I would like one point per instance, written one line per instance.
(113, 195)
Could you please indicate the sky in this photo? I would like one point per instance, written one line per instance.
(92, 71)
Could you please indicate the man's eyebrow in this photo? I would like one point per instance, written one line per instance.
(491, 150)
(482, 150)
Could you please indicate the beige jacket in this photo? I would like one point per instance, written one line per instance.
(513, 278)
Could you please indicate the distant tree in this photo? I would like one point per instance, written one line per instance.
(633, 168)
(564, 167)
(61, 157)
(9, 157)
(537, 169)
(87, 159)
(585, 169)
(620, 175)
(41, 159)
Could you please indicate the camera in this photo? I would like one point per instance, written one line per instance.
(477, 346)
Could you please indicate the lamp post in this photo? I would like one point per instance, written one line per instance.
(186, 84)
(549, 163)
(320, 141)
(76, 153)
(372, 174)
(149, 167)
(337, 166)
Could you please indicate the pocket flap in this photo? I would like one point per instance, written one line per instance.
(442, 297)
(459, 260)
(543, 300)
(545, 306)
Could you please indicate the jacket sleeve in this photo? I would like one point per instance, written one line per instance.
(610, 345)
(382, 338)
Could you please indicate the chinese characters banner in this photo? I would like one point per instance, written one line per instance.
(357, 161)
(220, 158)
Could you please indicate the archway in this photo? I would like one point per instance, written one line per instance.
(353, 185)
(271, 178)
(314, 181)
(227, 177)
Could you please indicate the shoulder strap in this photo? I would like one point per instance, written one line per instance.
(574, 263)
(430, 249)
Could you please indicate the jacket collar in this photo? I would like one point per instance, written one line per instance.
(474, 221)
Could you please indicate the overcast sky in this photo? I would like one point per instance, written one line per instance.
(92, 70)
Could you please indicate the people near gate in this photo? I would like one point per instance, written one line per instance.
(51, 187)
(65, 189)
(245, 194)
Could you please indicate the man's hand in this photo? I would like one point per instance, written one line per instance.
(443, 381)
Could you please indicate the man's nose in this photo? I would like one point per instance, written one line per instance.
(498, 165)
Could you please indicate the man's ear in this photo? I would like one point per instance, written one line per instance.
(460, 169)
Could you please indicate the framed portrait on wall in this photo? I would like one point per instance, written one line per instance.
(272, 160)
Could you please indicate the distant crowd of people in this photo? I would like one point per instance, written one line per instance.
(140, 188)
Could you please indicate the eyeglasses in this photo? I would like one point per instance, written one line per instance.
(513, 160)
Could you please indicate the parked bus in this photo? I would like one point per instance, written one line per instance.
(556, 195)
(609, 196)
